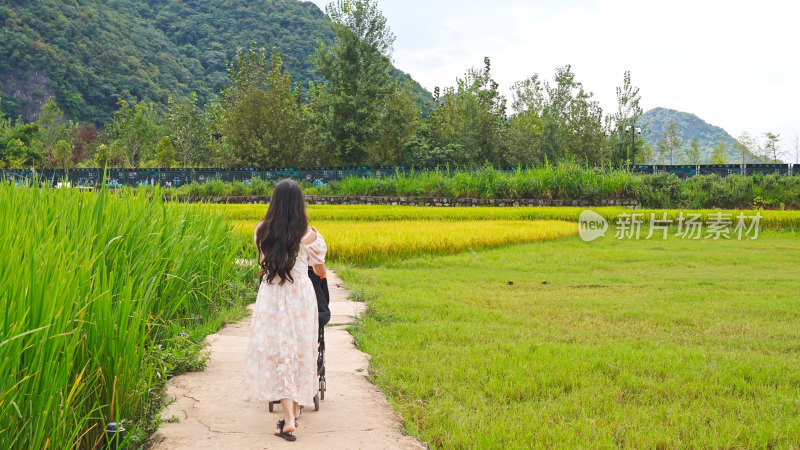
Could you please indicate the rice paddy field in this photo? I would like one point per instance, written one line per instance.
(540, 339)
(488, 327)
(94, 291)
(371, 234)
(370, 243)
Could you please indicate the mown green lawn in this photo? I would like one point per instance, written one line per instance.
(635, 344)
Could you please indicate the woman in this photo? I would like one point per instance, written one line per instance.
(281, 359)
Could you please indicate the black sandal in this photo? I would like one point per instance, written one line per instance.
(288, 436)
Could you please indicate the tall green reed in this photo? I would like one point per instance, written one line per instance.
(566, 180)
(89, 284)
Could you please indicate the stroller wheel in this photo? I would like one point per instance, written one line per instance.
(316, 402)
(271, 406)
(322, 390)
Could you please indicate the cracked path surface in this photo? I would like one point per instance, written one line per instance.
(354, 415)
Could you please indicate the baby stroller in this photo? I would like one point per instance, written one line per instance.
(323, 300)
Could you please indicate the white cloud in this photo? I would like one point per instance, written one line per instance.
(732, 63)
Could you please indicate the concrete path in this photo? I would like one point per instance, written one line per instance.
(354, 415)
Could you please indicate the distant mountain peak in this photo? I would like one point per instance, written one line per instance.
(691, 127)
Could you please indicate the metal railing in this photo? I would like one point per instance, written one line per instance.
(686, 171)
(324, 175)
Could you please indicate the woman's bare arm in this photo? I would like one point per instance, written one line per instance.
(310, 237)
(319, 269)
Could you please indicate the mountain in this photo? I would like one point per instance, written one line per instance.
(90, 53)
(691, 127)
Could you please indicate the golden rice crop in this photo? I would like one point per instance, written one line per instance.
(371, 242)
(773, 220)
(389, 212)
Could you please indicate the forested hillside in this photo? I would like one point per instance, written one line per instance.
(88, 54)
(121, 83)
(691, 127)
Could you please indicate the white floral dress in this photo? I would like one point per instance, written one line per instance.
(281, 358)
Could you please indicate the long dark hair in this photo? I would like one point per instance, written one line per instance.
(278, 237)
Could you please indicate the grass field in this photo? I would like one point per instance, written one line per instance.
(564, 343)
(607, 344)
(488, 326)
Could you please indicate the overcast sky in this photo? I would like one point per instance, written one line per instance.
(735, 64)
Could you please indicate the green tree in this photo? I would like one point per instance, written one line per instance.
(769, 150)
(720, 153)
(134, 132)
(62, 153)
(745, 145)
(260, 116)
(220, 148)
(525, 125)
(669, 143)
(644, 152)
(692, 154)
(627, 116)
(5, 126)
(399, 122)
(84, 142)
(356, 68)
(471, 120)
(52, 129)
(117, 156)
(165, 153)
(5, 122)
(102, 157)
(189, 131)
(563, 119)
(15, 154)
(749, 149)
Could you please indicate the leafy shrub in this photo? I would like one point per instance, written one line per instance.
(660, 190)
(260, 187)
(180, 355)
(239, 188)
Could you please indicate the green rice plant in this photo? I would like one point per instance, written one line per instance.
(90, 285)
